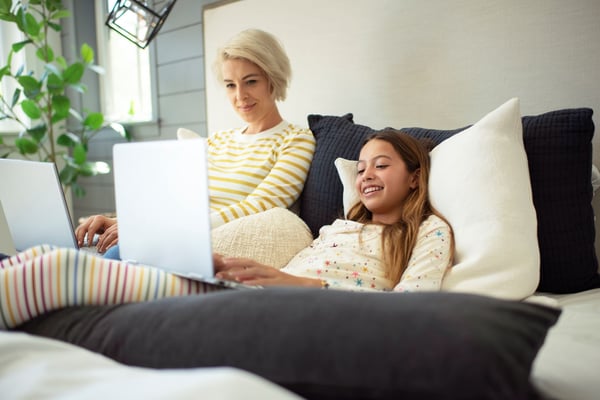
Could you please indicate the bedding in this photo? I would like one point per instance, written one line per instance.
(38, 368)
(421, 345)
(566, 366)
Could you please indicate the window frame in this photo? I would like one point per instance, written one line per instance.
(103, 59)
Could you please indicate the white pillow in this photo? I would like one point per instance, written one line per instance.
(480, 182)
(347, 172)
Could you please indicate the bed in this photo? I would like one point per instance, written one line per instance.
(462, 59)
(477, 338)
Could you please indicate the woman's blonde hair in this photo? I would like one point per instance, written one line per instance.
(262, 49)
(399, 239)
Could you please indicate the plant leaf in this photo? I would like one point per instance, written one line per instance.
(76, 115)
(38, 133)
(79, 87)
(54, 84)
(97, 69)
(16, 47)
(60, 60)
(93, 121)
(60, 14)
(31, 109)
(31, 87)
(15, 99)
(32, 28)
(78, 191)
(55, 27)
(68, 175)
(5, 6)
(45, 54)
(73, 73)
(79, 154)
(61, 105)
(68, 139)
(87, 53)
(26, 145)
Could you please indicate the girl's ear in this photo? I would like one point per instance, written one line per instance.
(414, 179)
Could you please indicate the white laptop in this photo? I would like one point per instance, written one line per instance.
(162, 203)
(7, 245)
(34, 204)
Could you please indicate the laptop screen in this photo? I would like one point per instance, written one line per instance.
(162, 200)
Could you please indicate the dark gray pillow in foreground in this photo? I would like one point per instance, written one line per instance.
(325, 344)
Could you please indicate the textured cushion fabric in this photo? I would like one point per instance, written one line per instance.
(327, 344)
(559, 151)
(480, 182)
(271, 237)
(321, 199)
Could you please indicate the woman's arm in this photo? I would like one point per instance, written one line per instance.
(283, 184)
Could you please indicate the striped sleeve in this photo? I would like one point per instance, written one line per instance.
(261, 175)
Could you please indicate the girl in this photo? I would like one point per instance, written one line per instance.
(392, 240)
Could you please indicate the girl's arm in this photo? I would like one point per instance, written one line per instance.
(250, 272)
(430, 258)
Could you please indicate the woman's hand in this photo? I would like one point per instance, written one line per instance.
(250, 272)
(104, 226)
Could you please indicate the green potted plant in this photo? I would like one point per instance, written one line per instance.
(49, 128)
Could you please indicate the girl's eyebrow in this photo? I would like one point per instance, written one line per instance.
(376, 158)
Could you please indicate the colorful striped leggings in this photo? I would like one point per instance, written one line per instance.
(45, 278)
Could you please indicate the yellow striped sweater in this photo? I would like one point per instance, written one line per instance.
(253, 173)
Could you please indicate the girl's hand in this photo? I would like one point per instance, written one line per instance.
(250, 272)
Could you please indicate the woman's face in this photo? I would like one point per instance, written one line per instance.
(383, 181)
(249, 91)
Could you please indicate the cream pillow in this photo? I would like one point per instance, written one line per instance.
(271, 237)
(480, 182)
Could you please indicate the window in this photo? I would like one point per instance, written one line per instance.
(127, 90)
(9, 34)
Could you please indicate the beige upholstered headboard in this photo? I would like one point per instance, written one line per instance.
(437, 63)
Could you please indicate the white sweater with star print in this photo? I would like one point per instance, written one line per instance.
(344, 261)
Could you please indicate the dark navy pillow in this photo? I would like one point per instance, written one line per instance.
(559, 152)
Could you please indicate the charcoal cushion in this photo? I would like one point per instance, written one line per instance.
(559, 152)
(326, 344)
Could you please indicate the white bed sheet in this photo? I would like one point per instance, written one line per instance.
(39, 368)
(568, 364)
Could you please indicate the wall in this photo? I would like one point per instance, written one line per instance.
(439, 64)
(436, 63)
(178, 56)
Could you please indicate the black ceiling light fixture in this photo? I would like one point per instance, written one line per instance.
(137, 21)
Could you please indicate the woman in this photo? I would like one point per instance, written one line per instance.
(254, 168)
(392, 240)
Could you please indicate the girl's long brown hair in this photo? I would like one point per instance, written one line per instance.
(399, 239)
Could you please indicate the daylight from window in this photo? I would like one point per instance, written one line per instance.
(127, 91)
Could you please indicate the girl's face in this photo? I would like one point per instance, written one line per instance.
(383, 181)
(249, 91)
